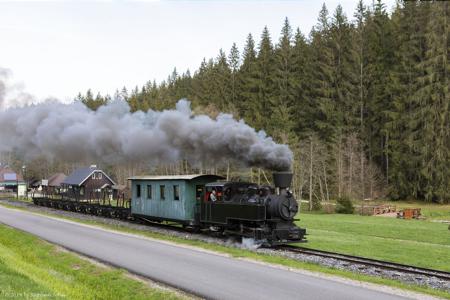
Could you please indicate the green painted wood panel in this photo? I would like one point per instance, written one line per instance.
(183, 209)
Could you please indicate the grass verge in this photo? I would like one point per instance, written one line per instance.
(247, 254)
(413, 242)
(31, 268)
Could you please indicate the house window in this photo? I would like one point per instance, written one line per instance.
(176, 192)
(99, 176)
(162, 192)
(138, 190)
(93, 176)
(149, 192)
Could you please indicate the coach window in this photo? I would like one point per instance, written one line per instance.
(176, 192)
(149, 192)
(162, 192)
(138, 191)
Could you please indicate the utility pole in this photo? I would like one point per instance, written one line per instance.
(24, 173)
(310, 173)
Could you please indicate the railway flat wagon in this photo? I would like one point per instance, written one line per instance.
(169, 198)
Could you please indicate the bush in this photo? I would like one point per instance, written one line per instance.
(328, 208)
(316, 205)
(344, 206)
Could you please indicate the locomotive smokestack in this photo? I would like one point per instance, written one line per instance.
(282, 180)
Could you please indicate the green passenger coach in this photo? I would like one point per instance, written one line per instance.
(170, 198)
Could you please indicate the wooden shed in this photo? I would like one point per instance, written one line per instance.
(54, 183)
(168, 197)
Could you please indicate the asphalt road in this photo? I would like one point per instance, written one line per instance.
(204, 274)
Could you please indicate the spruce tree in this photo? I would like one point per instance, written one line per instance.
(285, 82)
(305, 112)
(265, 70)
(380, 60)
(234, 63)
(344, 75)
(322, 77)
(248, 78)
(221, 81)
(360, 48)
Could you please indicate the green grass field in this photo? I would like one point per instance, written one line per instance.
(421, 243)
(33, 269)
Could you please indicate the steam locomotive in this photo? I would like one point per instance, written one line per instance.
(203, 203)
(263, 213)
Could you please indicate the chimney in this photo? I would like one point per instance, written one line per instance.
(282, 180)
(93, 167)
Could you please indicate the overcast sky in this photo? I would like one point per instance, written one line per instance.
(59, 48)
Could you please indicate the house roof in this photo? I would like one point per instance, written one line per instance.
(176, 177)
(79, 176)
(56, 179)
(119, 187)
(8, 175)
(35, 182)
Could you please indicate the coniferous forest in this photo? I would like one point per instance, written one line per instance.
(362, 100)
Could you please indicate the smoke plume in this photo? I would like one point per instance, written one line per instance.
(3, 77)
(113, 134)
(12, 93)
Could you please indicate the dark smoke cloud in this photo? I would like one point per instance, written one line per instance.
(113, 134)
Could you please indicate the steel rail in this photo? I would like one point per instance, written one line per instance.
(369, 262)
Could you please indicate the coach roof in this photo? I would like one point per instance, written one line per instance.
(176, 177)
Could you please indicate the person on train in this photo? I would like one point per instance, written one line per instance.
(213, 196)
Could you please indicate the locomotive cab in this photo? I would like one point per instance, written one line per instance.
(219, 188)
(232, 192)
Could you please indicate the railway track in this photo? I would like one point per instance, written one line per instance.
(369, 262)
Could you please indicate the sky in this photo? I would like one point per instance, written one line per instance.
(60, 48)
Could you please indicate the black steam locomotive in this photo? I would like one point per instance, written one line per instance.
(263, 213)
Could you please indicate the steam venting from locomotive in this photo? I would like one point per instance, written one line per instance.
(114, 134)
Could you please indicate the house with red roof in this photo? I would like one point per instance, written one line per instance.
(11, 182)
